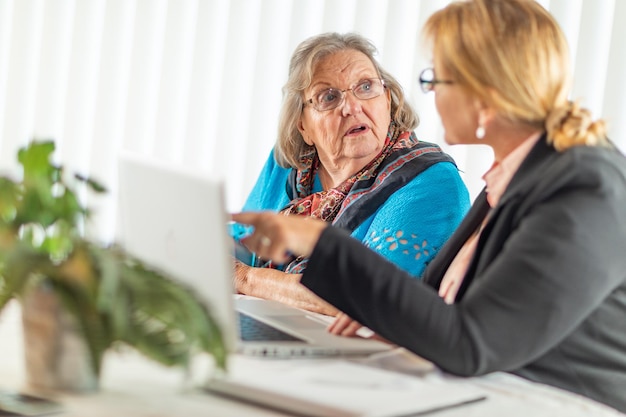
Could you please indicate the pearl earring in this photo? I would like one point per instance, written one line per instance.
(480, 132)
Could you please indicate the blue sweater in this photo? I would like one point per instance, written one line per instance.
(408, 229)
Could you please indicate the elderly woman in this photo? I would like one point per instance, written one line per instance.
(533, 282)
(346, 154)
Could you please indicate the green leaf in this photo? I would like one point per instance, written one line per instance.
(20, 265)
(93, 184)
(35, 159)
(9, 195)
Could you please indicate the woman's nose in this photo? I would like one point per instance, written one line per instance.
(351, 105)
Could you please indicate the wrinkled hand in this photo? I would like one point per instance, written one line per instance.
(278, 237)
(240, 276)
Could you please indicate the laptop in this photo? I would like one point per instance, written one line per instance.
(175, 220)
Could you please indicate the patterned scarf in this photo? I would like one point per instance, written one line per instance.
(325, 205)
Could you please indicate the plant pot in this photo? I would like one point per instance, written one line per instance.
(56, 354)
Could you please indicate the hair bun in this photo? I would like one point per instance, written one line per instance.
(571, 125)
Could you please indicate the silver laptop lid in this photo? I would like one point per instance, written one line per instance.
(175, 220)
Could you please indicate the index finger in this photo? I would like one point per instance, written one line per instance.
(248, 217)
(341, 321)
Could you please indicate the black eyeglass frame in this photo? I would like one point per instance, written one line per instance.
(428, 85)
(313, 104)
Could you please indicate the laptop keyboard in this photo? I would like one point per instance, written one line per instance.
(252, 329)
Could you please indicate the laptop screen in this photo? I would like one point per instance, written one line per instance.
(174, 219)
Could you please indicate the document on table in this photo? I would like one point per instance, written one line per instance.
(340, 388)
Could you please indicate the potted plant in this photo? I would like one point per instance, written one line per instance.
(79, 297)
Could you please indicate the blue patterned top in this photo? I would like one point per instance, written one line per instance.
(408, 228)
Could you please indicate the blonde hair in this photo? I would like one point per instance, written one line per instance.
(290, 145)
(513, 55)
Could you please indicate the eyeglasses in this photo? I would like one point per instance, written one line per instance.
(331, 98)
(428, 81)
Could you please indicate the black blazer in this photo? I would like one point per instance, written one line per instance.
(545, 293)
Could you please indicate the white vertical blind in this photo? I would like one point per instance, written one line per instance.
(206, 81)
(173, 89)
(22, 47)
(268, 64)
(75, 142)
(6, 12)
(614, 107)
(592, 54)
(198, 82)
(147, 41)
(110, 106)
(52, 80)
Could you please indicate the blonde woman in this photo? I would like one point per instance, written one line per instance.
(533, 282)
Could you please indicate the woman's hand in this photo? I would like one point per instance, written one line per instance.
(240, 276)
(279, 237)
(346, 326)
(276, 285)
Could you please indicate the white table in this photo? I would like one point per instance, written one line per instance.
(132, 386)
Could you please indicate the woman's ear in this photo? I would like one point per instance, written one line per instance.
(486, 113)
(303, 132)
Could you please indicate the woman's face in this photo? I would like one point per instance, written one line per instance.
(457, 109)
(352, 134)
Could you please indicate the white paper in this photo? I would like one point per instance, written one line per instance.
(341, 388)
